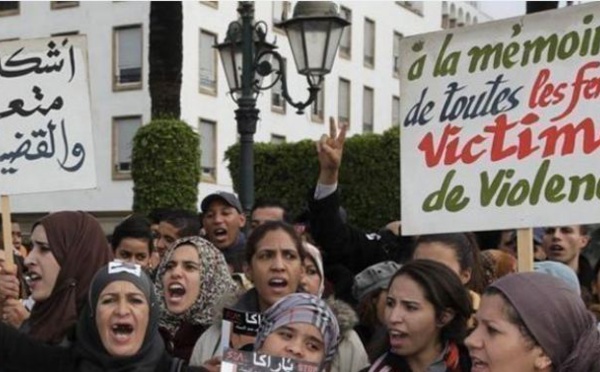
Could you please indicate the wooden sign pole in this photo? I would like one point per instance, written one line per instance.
(7, 233)
(525, 249)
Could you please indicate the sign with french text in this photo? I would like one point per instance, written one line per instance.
(500, 124)
(45, 118)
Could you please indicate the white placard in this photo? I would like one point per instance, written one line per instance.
(45, 120)
(501, 124)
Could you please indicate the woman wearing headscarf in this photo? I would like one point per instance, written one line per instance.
(533, 322)
(192, 278)
(351, 355)
(68, 248)
(299, 326)
(117, 332)
(274, 264)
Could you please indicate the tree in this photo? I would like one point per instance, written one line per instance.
(165, 166)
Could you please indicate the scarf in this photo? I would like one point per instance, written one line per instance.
(215, 280)
(89, 347)
(80, 248)
(301, 308)
(390, 362)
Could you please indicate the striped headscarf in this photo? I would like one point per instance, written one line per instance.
(215, 281)
(301, 308)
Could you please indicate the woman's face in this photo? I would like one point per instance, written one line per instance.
(497, 345)
(300, 341)
(444, 254)
(275, 268)
(42, 266)
(311, 280)
(181, 280)
(122, 315)
(410, 320)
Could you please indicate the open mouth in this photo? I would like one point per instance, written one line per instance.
(220, 233)
(397, 338)
(121, 331)
(278, 283)
(555, 248)
(478, 365)
(176, 291)
(32, 277)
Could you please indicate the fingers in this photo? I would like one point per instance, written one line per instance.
(332, 128)
(343, 130)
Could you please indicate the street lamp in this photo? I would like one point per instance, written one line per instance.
(314, 33)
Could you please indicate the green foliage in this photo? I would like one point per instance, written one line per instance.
(369, 176)
(165, 166)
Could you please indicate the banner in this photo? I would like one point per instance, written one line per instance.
(45, 119)
(500, 124)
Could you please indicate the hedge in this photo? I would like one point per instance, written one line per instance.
(369, 176)
(165, 166)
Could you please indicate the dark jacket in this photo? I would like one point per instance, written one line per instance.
(182, 343)
(348, 250)
(19, 352)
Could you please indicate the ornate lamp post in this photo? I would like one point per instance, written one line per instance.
(314, 33)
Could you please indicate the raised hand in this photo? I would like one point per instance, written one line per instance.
(329, 151)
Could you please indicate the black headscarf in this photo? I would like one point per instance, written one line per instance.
(89, 346)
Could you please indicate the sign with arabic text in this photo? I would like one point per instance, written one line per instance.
(45, 119)
(247, 361)
(501, 124)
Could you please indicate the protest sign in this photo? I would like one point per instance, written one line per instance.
(500, 124)
(45, 119)
(239, 329)
(247, 361)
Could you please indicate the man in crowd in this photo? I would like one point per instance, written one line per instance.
(173, 225)
(565, 244)
(223, 221)
(268, 210)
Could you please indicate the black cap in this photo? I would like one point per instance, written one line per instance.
(227, 197)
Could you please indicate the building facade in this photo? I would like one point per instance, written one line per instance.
(362, 89)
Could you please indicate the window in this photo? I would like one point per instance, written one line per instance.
(63, 4)
(281, 9)
(368, 101)
(8, 8)
(369, 45)
(395, 111)
(124, 129)
(317, 107)
(277, 139)
(413, 6)
(208, 62)
(396, 61)
(208, 150)
(128, 58)
(346, 40)
(344, 101)
(277, 100)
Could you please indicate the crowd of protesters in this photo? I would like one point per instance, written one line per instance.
(151, 298)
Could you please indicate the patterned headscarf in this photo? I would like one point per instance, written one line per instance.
(301, 308)
(215, 281)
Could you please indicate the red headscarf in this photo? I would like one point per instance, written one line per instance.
(80, 248)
